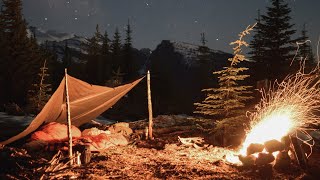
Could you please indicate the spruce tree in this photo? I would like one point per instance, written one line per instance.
(204, 61)
(203, 50)
(278, 45)
(305, 50)
(93, 57)
(41, 91)
(129, 65)
(2, 55)
(67, 59)
(257, 50)
(116, 52)
(227, 102)
(105, 49)
(22, 57)
(106, 56)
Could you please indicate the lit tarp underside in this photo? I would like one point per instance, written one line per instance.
(86, 103)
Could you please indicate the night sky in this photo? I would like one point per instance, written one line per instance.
(156, 20)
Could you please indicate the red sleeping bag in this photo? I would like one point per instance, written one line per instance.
(54, 132)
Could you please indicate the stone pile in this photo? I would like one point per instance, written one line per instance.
(262, 155)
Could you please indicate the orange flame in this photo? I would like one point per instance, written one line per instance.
(293, 105)
(274, 126)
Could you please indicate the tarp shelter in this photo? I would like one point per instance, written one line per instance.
(86, 103)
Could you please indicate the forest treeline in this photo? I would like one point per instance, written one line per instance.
(111, 61)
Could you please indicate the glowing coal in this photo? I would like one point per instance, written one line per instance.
(291, 106)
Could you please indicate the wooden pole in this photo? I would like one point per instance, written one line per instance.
(299, 152)
(149, 106)
(68, 118)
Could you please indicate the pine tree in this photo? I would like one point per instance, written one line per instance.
(93, 57)
(257, 50)
(2, 54)
(106, 56)
(305, 49)
(105, 49)
(97, 34)
(128, 40)
(204, 59)
(227, 102)
(203, 50)
(116, 79)
(40, 94)
(130, 66)
(278, 45)
(22, 54)
(116, 51)
(93, 47)
(67, 59)
(55, 68)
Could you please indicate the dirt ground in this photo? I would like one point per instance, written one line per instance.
(162, 158)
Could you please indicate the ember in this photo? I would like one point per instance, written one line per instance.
(292, 106)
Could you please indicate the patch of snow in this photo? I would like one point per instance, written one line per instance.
(190, 51)
(26, 120)
(21, 120)
(104, 120)
(49, 35)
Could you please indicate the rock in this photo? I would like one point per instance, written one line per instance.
(122, 124)
(264, 159)
(104, 141)
(286, 141)
(121, 128)
(93, 132)
(247, 160)
(283, 160)
(254, 148)
(273, 146)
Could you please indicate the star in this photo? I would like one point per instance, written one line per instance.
(148, 4)
(46, 19)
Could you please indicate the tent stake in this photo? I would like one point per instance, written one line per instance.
(68, 118)
(149, 106)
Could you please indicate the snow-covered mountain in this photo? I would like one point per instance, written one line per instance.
(190, 51)
(57, 41)
(186, 54)
(49, 35)
(179, 75)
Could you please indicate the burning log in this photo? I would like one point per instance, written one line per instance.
(254, 148)
(247, 160)
(264, 159)
(299, 152)
(273, 146)
(286, 141)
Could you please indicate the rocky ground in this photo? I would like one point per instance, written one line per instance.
(162, 158)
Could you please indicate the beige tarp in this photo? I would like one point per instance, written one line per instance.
(86, 103)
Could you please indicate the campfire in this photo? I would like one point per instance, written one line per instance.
(272, 134)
